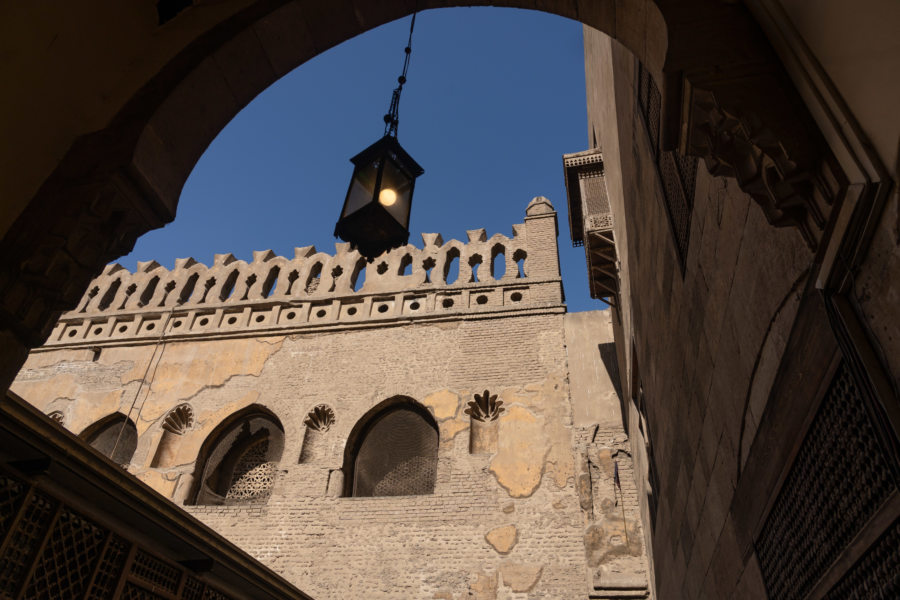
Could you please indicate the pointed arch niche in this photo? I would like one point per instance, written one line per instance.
(115, 436)
(237, 461)
(392, 451)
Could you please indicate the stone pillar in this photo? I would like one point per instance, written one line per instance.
(483, 424)
(335, 483)
(166, 450)
(483, 436)
(541, 231)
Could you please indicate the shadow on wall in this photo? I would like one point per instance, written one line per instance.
(611, 362)
(114, 436)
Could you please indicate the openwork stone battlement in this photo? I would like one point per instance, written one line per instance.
(315, 288)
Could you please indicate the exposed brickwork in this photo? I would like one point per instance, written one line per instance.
(427, 546)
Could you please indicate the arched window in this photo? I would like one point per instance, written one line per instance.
(115, 436)
(392, 451)
(237, 461)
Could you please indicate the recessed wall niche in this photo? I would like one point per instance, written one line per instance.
(176, 423)
(318, 421)
(483, 424)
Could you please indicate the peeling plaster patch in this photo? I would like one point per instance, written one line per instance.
(484, 587)
(206, 422)
(445, 404)
(185, 369)
(520, 577)
(61, 357)
(450, 429)
(519, 462)
(160, 482)
(607, 541)
(509, 507)
(503, 539)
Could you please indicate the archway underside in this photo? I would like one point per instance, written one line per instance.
(119, 182)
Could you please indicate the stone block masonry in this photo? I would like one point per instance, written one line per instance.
(256, 426)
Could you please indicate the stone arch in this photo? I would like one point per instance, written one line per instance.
(114, 436)
(392, 451)
(237, 461)
(203, 77)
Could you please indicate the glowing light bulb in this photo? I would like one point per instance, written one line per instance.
(387, 197)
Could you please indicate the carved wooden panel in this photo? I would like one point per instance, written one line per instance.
(841, 476)
(50, 550)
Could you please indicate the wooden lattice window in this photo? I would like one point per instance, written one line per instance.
(50, 550)
(841, 476)
(677, 173)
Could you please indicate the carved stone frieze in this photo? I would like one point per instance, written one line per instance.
(792, 191)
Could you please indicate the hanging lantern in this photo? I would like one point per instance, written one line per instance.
(376, 210)
(375, 217)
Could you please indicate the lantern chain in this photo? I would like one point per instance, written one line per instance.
(392, 118)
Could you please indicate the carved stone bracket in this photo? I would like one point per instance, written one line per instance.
(485, 407)
(320, 418)
(790, 193)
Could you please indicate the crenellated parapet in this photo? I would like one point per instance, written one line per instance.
(316, 289)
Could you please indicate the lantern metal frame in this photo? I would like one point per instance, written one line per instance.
(372, 223)
(370, 226)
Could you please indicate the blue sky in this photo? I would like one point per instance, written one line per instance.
(495, 97)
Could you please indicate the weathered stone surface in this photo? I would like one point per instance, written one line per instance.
(331, 546)
(503, 539)
(519, 463)
(484, 587)
(444, 404)
(520, 577)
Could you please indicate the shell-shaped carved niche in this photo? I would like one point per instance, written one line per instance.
(179, 419)
(58, 416)
(485, 407)
(320, 418)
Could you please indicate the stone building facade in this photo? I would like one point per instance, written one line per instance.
(755, 325)
(757, 296)
(368, 430)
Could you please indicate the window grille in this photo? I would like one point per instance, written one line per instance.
(677, 173)
(109, 569)
(876, 574)
(253, 475)
(24, 539)
(397, 456)
(840, 477)
(239, 460)
(68, 560)
(158, 574)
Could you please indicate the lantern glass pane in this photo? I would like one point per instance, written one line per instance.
(396, 203)
(362, 188)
